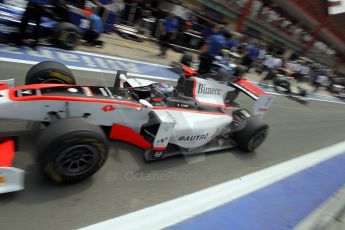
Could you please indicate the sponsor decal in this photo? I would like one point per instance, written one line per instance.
(108, 108)
(104, 92)
(182, 105)
(27, 92)
(87, 91)
(7, 29)
(17, 3)
(87, 61)
(109, 93)
(203, 89)
(2, 180)
(162, 141)
(72, 90)
(193, 138)
(251, 88)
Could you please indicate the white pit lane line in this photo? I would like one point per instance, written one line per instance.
(175, 211)
(140, 75)
(90, 69)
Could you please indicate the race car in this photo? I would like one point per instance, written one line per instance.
(79, 120)
(290, 87)
(66, 35)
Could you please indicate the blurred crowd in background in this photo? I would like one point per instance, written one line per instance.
(195, 31)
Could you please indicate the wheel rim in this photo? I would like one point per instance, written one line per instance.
(158, 154)
(77, 159)
(257, 139)
(71, 39)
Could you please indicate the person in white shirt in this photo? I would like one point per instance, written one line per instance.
(320, 80)
(272, 63)
(305, 70)
(297, 71)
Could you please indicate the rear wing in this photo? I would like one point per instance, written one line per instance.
(263, 100)
(248, 88)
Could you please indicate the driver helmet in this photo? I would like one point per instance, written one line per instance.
(162, 90)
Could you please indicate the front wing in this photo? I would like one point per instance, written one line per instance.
(11, 179)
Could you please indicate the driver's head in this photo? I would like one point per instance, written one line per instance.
(162, 90)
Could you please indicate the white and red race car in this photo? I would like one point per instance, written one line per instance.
(79, 120)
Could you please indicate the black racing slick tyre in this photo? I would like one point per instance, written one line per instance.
(71, 150)
(187, 59)
(252, 135)
(231, 96)
(67, 36)
(49, 72)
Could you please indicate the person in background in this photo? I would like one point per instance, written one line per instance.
(297, 67)
(271, 63)
(250, 55)
(168, 33)
(35, 10)
(305, 70)
(210, 49)
(81, 3)
(321, 78)
(232, 42)
(262, 52)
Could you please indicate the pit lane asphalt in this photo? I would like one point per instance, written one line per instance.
(126, 183)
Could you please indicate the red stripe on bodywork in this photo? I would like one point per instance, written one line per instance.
(3, 86)
(7, 151)
(159, 148)
(87, 12)
(13, 97)
(126, 134)
(194, 87)
(188, 72)
(250, 87)
(190, 110)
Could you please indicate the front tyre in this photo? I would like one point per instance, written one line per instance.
(49, 72)
(252, 135)
(71, 150)
(67, 36)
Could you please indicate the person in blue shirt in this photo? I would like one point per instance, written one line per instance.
(210, 49)
(35, 10)
(168, 33)
(250, 55)
(233, 43)
(81, 3)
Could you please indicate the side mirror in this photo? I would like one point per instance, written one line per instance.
(145, 104)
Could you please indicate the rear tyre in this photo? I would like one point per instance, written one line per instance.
(71, 150)
(231, 96)
(49, 72)
(67, 36)
(252, 135)
(281, 86)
